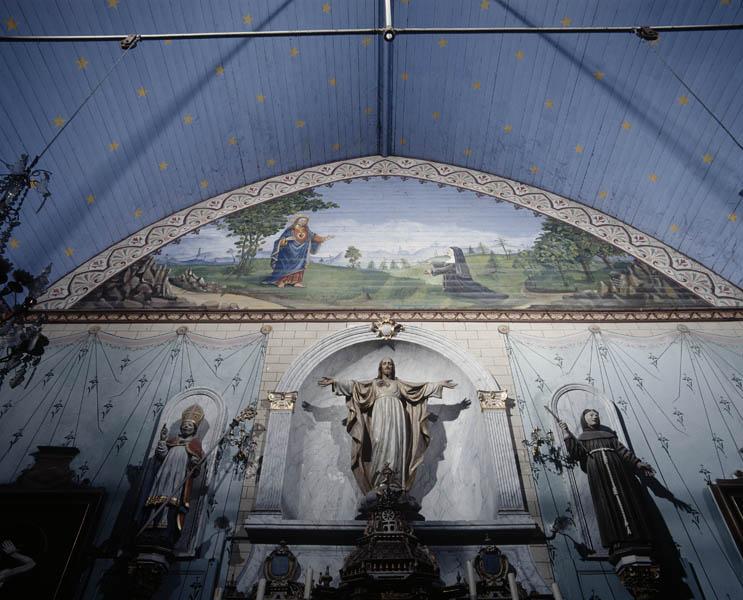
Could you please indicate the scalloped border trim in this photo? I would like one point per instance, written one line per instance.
(706, 284)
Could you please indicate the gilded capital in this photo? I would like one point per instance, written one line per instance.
(282, 400)
(492, 399)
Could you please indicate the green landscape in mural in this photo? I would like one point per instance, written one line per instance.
(388, 245)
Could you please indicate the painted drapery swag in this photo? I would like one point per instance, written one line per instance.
(387, 422)
(180, 458)
(617, 496)
(291, 253)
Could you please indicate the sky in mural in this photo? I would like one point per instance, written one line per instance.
(388, 244)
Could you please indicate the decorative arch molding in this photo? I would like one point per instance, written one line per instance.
(692, 275)
(304, 364)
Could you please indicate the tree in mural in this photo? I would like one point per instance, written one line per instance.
(556, 252)
(252, 226)
(492, 262)
(353, 254)
(587, 247)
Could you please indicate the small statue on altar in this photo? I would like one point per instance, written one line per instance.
(179, 460)
(612, 470)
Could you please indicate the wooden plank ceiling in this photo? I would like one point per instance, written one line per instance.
(598, 118)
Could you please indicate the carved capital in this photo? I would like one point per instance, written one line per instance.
(493, 399)
(282, 400)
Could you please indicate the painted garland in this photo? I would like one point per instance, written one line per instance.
(706, 284)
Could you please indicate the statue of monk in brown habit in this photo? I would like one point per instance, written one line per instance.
(387, 421)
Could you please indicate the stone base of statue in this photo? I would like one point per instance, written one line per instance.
(641, 576)
(389, 554)
(146, 572)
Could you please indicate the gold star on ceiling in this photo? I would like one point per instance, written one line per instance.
(366, 41)
(326, 7)
(405, 76)
(113, 146)
(163, 165)
(566, 22)
(69, 251)
(11, 24)
(112, 3)
(436, 115)
(232, 140)
(220, 70)
(519, 54)
(599, 75)
(579, 149)
(443, 43)
(332, 82)
(708, 158)
(674, 228)
(188, 119)
(82, 63)
(534, 169)
(368, 110)
(603, 194)
(476, 85)
(168, 42)
(261, 98)
(485, 4)
(725, 2)
(247, 20)
(336, 146)
(203, 184)
(548, 103)
(137, 213)
(626, 125)
(90, 198)
(294, 52)
(299, 123)
(468, 151)
(653, 177)
(270, 162)
(507, 128)
(683, 100)
(14, 243)
(141, 92)
(58, 121)
(403, 141)
(732, 217)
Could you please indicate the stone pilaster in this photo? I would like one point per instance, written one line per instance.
(494, 406)
(271, 482)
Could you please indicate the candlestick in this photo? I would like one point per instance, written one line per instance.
(512, 585)
(261, 589)
(308, 583)
(471, 580)
(556, 591)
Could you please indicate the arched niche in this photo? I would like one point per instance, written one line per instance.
(569, 401)
(457, 481)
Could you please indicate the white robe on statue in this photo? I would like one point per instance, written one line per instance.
(387, 422)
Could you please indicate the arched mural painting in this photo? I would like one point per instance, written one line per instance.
(388, 243)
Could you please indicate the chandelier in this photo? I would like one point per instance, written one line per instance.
(21, 338)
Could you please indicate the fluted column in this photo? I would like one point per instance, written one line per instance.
(271, 481)
(494, 406)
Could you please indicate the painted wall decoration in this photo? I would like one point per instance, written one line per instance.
(388, 244)
(676, 400)
(109, 397)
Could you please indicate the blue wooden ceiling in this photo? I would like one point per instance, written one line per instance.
(597, 118)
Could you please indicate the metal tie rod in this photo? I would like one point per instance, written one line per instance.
(368, 31)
